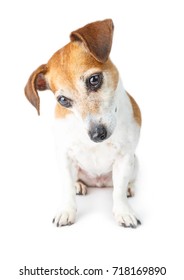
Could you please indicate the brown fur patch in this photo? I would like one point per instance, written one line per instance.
(66, 70)
(136, 110)
(61, 112)
(100, 32)
(66, 66)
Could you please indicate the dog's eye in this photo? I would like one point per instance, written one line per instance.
(64, 101)
(94, 82)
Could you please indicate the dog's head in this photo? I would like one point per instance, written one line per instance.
(83, 79)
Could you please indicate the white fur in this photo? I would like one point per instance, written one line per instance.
(111, 162)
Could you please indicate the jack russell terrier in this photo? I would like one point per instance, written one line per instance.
(97, 121)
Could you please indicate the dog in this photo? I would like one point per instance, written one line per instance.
(97, 121)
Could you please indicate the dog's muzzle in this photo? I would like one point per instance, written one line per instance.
(98, 133)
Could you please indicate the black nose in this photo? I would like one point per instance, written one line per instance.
(98, 133)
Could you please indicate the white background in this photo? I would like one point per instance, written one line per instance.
(148, 49)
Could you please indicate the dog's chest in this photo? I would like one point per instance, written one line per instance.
(96, 159)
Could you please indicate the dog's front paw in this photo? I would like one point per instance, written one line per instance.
(64, 218)
(126, 218)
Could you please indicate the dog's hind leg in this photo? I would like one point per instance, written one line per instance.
(81, 188)
(131, 189)
(131, 184)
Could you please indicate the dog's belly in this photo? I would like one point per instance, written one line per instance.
(94, 163)
(104, 180)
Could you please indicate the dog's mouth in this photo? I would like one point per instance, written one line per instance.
(98, 133)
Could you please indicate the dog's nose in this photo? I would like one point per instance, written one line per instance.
(98, 133)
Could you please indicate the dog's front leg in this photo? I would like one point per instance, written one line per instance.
(123, 169)
(68, 175)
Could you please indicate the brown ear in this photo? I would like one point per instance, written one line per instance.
(97, 38)
(36, 82)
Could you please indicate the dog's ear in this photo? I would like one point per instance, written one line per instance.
(97, 38)
(37, 81)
